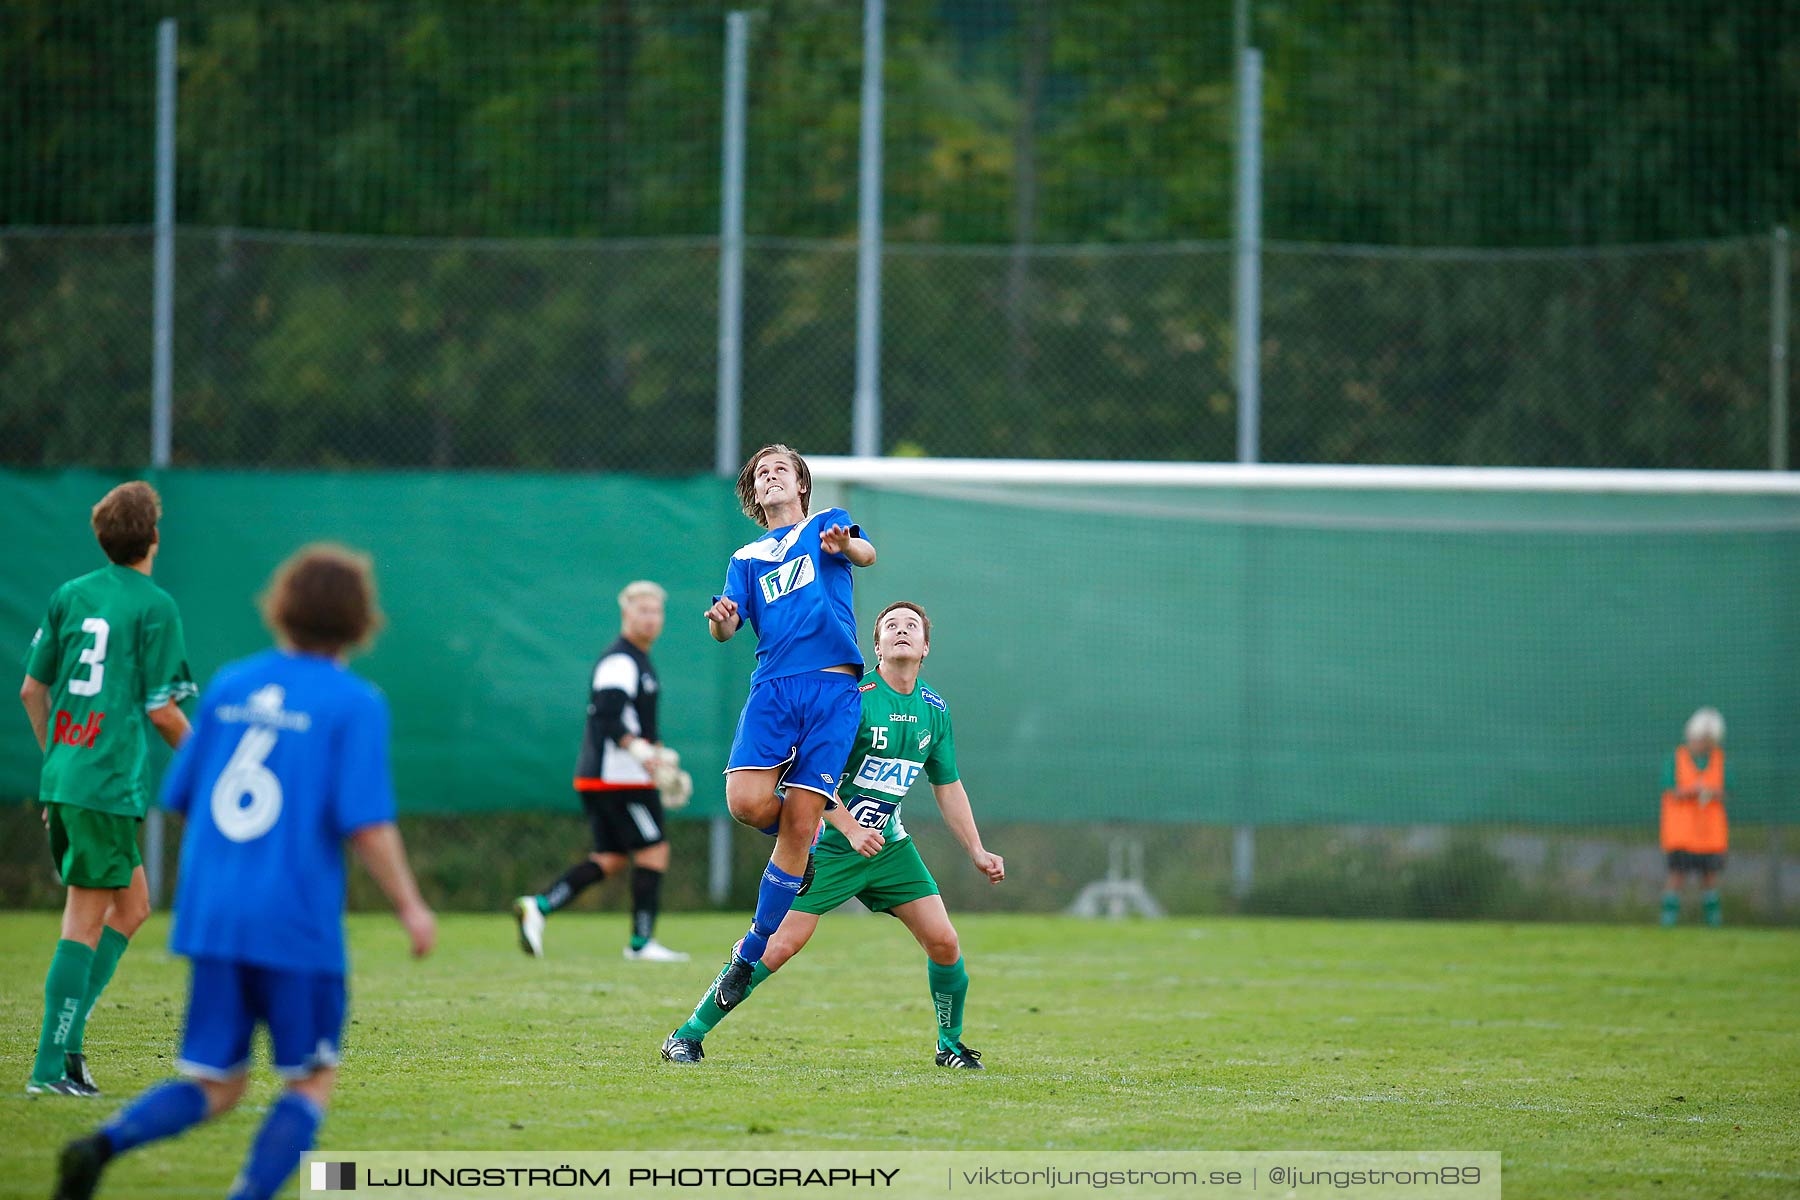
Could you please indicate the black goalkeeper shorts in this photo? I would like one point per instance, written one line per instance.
(625, 819)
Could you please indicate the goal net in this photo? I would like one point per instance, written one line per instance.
(1322, 689)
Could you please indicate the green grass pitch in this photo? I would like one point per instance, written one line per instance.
(1600, 1061)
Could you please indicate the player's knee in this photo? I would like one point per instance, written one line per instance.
(84, 916)
(750, 799)
(747, 809)
(942, 946)
(222, 1095)
(129, 912)
(317, 1086)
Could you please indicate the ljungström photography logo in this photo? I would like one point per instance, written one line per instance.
(334, 1177)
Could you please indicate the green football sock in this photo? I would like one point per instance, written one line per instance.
(106, 961)
(1709, 904)
(949, 987)
(1671, 910)
(64, 988)
(709, 1014)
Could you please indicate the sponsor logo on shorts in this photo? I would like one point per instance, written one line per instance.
(894, 776)
(67, 733)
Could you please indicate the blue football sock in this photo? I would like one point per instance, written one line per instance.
(772, 828)
(286, 1134)
(165, 1110)
(774, 896)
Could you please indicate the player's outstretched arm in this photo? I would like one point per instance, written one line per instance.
(384, 857)
(171, 724)
(837, 539)
(35, 696)
(722, 619)
(953, 802)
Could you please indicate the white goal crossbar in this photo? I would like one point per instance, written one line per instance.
(844, 469)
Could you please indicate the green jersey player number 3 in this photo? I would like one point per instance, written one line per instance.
(106, 666)
(111, 650)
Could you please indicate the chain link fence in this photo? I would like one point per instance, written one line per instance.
(1457, 123)
(299, 351)
(426, 235)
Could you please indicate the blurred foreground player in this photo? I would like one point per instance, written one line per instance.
(1693, 815)
(905, 732)
(289, 760)
(108, 660)
(625, 776)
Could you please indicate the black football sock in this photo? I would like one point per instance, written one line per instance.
(646, 893)
(574, 881)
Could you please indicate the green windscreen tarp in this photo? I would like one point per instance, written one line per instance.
(1108, 654)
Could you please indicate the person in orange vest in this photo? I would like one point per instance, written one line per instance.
(1693, 815)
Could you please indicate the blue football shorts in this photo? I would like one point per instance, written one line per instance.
(805, 724)
(303, 1010)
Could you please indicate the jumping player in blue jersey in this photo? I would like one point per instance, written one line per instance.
(793, 587)
(288, 760)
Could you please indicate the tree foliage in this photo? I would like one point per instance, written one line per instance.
(1058, 183)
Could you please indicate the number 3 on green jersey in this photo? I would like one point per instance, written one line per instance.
(110, 650)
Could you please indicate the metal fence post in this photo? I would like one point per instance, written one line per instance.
(731, 247)
(1248, 290)
(1248, 332)
(865, 425)
(731, 342)
(162, 368)
(1779, 269)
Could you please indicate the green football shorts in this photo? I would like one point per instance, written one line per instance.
(93, 849)
(888, 880)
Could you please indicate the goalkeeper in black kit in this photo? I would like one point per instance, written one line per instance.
(625, 777)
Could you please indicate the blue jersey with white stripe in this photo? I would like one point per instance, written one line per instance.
(797, 598)
(289, 756)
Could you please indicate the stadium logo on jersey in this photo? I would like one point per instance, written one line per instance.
(264, 706)
(894, 776)
(786, 579)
